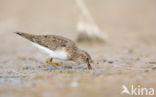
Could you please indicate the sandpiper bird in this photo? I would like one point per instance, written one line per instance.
(58, 47)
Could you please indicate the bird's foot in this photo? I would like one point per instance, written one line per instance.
(59, 64)
(49, 61)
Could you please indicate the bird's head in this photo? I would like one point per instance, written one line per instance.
(84, 57)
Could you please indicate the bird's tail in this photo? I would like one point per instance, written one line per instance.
(25, 35)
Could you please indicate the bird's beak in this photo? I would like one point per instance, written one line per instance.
(89, 66)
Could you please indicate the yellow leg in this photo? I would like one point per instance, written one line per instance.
(50, 61)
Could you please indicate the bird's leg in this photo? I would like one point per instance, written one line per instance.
(59, 64)
(56, 63)
(50, 61)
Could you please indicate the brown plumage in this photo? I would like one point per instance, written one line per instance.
(55, 42)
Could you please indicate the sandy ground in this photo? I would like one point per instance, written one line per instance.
(128, 57)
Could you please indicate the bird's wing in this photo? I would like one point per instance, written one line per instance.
(52, 42)
(26, 35)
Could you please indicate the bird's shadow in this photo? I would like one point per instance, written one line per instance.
(49, 67)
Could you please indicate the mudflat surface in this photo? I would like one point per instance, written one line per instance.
(128, 57)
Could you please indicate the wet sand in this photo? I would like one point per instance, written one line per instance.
(128, 57)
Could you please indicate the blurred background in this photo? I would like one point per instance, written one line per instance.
(60, 17)
(128, 57)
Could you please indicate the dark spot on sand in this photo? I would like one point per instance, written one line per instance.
(46, 36)
(146, 70)
(153, 68)
(104, 60)
(152, 62)
(111, 62)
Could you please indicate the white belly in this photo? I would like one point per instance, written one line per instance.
(58, 54)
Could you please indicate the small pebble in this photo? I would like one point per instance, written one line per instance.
(152, 62)
(104, 60)
(111, 62)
